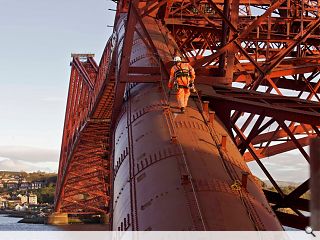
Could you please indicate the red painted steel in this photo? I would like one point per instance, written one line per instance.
(84, 171)
(257, 63)
(184, 185)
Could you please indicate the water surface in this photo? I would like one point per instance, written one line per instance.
(11, 224)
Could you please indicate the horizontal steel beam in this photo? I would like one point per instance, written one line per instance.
(291, 220)
(276, 149)
(266, 104)
(300, 203)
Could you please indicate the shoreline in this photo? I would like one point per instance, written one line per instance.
(27, 217)
(15, 214)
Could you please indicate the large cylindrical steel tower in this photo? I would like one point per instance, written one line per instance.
(172, 171)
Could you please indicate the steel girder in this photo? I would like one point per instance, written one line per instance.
(268, 51)
(83, 185)
(273, 55)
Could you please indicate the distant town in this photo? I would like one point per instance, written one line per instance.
(21, 191)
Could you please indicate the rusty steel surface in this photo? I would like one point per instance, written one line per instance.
(257, 64)
(190, 183)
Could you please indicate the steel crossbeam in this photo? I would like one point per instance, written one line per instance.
(257, 62)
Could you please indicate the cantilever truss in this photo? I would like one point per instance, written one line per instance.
(84, 171)
(258, 59)
(269, 52)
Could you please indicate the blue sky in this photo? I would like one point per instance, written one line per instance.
(37, 38)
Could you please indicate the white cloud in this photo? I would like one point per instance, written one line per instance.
(18, 165)
(29, 154)
(29, 159)
(283, 167)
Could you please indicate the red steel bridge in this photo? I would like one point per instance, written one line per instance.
(257, 64)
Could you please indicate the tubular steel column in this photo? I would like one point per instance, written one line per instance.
(315, 183)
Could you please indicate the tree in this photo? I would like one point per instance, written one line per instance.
(46, 194)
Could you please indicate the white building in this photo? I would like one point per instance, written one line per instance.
(19, 207)
(24, 185)
(31, 199)
(23, 198)
(3, 203)
(37, 185)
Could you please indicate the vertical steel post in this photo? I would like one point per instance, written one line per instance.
(244, 179)
(224, 142)
(234, 15)
(205, 106)
(211, 116)
(315, 183)
(224, 36)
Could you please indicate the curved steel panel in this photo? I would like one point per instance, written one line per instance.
(187, 185)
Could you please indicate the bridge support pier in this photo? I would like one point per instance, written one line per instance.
(65, 219)
(105, 219)
(58, 219)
